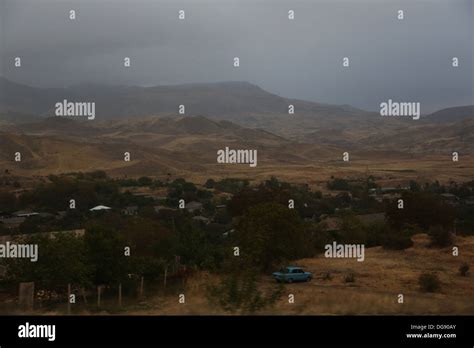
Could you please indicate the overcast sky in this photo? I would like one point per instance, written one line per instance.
(408, 60)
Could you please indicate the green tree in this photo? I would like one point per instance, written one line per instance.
(105, 251)
(424, 209)
(61, 260)
(440, 237)
(269, 234)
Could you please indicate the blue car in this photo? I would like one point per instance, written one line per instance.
(292, 274)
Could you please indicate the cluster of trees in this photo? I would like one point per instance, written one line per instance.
(348, 185)
(113, 248)
(182, 189)
(86, 191)
(267, 233)
(230, 185)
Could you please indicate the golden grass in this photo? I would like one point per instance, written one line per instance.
(378, 280)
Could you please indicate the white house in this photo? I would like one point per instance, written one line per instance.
(100, 207)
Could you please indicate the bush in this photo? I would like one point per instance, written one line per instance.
(238, 292)
(397, 240)
(210, 183)
(349, 278)
(429, 282)
(338, 184)
(327, 276)
(463, 269)
(440, 237)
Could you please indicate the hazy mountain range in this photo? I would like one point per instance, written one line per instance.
(145, 121)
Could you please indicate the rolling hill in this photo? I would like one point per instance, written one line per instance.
(144, 121)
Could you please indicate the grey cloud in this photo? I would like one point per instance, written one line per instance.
(406, 60)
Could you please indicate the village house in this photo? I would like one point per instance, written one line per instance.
(331, 224)
(12, 222)
(24, 213)
(130, 210)
(160, 208)
(368, 219)
(99, 208)
(469, 200)
(51, 235)
(449, 198)
(194, 207)
(202, 219)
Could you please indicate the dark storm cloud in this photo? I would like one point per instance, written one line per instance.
(408, 60)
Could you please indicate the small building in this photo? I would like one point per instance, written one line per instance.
(469, 200)
(78, 233)
(371, 218)
(160, 208)
(61, 214)
(331, 224)
(450, 198)
(389, 189)
(12, 222)
(25, 213)
(131, 210)
(202, 219)
(194, 206)
(228, 233)
(99, 208)
(46, 215)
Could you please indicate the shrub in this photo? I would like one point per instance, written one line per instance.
(396, 240)
(440, 237)
(429, 282)
(327, 276)
(210, 183)
(239, 292)
(349, 278)
(463, 269)
(338, 184)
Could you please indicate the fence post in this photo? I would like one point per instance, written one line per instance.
(84, 296)
(141, 287)
(120, 295)
(99, 289)
(166, 274)
(26, 296)
(69, 298)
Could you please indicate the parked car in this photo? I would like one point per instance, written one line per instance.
(292, 274)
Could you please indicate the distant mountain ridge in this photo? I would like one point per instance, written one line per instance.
(453, 114)
(232, 100)
(221, 99)
(237, 111)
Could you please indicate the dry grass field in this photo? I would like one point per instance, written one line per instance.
(378, 281)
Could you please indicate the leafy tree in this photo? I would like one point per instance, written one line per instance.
(61, 260)
(396, 240)
(8, 202)
(210, 183)
(196, 247)
(269, 234)
(424, 209)
(338, 184)
(352, 230)
(105, 250)
(249, 197)
(144, 181)
(440, 237)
